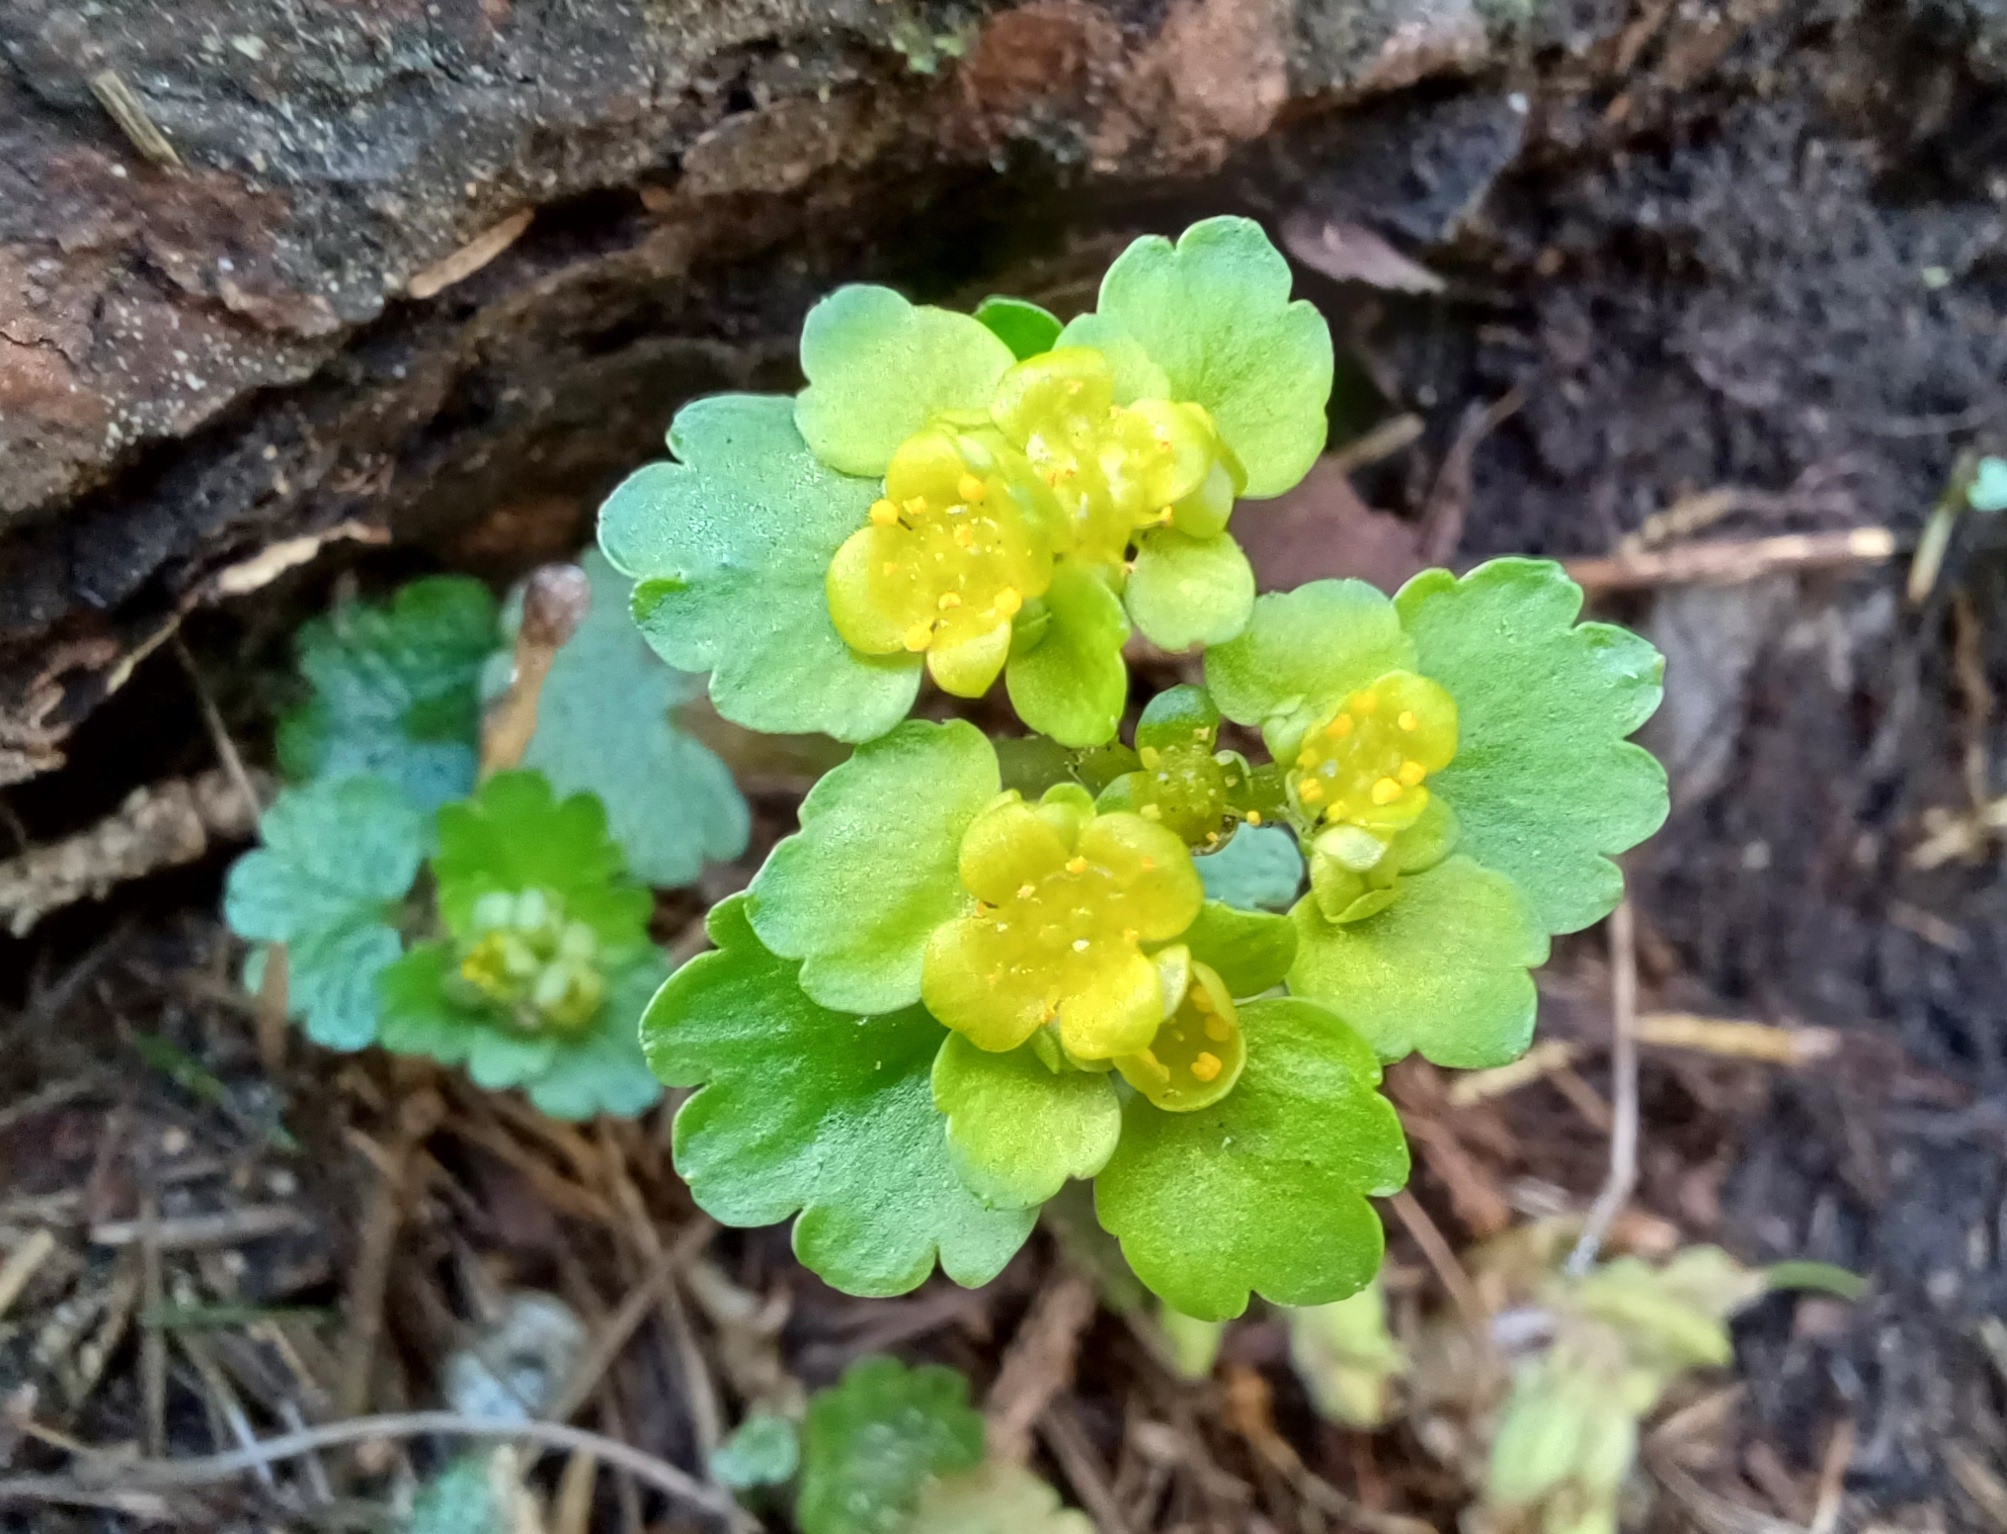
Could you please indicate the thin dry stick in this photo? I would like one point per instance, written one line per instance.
(419, 1116)
(158, 1474)
(1624, 1071)
(152, 1340)
(625, 1321)
(1461, 1290)
(1729, 561)
(554, 603)
(1060, 1428)
(1039, 1364)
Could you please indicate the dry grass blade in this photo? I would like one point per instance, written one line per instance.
(22, 1264)
(1731, 561)
(1624, 1069)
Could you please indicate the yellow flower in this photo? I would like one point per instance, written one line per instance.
(947, 559)
(1067, 901)
(528, 961)
(1196, 1057)
(1115, 469)
(1365, 764)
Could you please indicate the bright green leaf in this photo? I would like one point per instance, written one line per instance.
(1214, 312)
(1301, 654)
(1017, 1129)
(1189, 591)
(1250, 950)
(764, 1450)
(805, 1109)
(731, 546)
(569, 1076)
(396, 690)
(879, 368)
(337, 856)
(1267, 1189)
(1442, 970)
(858, 890)
(994, 1498)
(872, 1443)
(1020, 324)
(1073, 685)
(1259, 870)
(1544, 785)
(603, 727)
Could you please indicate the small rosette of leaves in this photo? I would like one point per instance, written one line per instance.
(1455, 765)
(940, 1001)
(982, 495)
(545, 962)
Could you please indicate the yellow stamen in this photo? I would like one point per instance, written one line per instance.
(1312, 790)
(1200, 999)
(1412, 773)
(971, 489)
(1076, 865)
(1008, 601)
(1026, 891)
(1254, 817)
(1340, 727)
(949, 600)
(1207, 1066)
(920, 635)
(1386, 791)
(1408, 721)
(916, 504)
(965, 535)
(1217, 1030)
(1149, 1058)
(884, 513)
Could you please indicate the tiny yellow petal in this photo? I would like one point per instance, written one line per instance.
(1386, 791)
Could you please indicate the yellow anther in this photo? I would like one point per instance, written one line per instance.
(1408, 721)
(1152, 812)
(1149, 1058)
(1008, 601)
(1412, 773)
(919, 636)
(1217, 1030)
(1026, 891)
(884, 513)
(1076, 865)
(1386, 791)
(1254, 817)
(1340, 727)
(1365, 704)
(916, 504)
(949, 601)
(1200, 999)
(1207, 1066)
(1312, 790)
(971, 489)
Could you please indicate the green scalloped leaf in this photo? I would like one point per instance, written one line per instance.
(1020, 324)
(1259, 870)
(1544, 785)
(1265, 1191)
(603, 728)
(336, 857)
(802, 1109)
(873, 1442)
(516, 834)
(1017, 1129)
(1188, 591)
(569, 1076)
(1250, 950)
(396, 690)
(857, 891)
(1214, 312)
(1301, 654)
(879, 368)
(1072, 684)
(1443, 970)
(730, 545)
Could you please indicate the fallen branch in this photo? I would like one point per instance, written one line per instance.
(160, 825)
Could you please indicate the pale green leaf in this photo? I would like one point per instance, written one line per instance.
(1072, 684)
(1017, 1129)
(1189, 591)
(1443, 970)
(879, 368)
(1214, 312)
(994, 1498)
(873, 1441)
(826, 1114)
(858, 890)
(730, 545)
(1250, 950)
(1300, 656)
(603, 727)
(1544, 785)
(1267, 1189)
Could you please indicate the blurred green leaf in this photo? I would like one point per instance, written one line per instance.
(763, 1450)
(872, 1443)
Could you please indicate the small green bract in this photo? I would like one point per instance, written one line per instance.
(1172, 966)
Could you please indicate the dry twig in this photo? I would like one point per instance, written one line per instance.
(1624, 1069)
(1039, 1363)
(1731, 561)
(554, 604)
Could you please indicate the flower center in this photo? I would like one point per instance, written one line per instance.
(525, 959)
(1063, 928)
(1365, 764)
(1114, 469)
